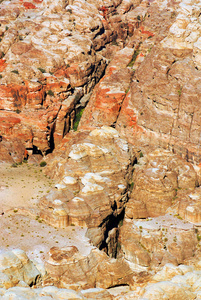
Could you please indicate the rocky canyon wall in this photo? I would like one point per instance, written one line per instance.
(53, 54)
(129, 73)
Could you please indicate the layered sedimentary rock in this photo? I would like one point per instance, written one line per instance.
(188, 205)
(51, 55)
(51, 292)
(157, 179)
(162, 183)
(68, 268)
(108, 95)
(164, 97)
(182, 282)
(157, 241)
(17, 269)
(93, 170)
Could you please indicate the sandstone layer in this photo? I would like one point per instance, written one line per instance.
(93, 182)
(52, 54)
(137, 65)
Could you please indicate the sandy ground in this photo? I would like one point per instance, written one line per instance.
(20, 190)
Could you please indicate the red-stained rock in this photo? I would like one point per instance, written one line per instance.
(108, 95)
(44, 63)
(2, 64)
(29, 5)
(148, 33)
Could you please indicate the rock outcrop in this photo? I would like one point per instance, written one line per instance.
(157, 241)
(157, 180)
(52, 54)
(182, 282)
(17, 269)
(125, 171)
(67, 268)
(163, 105)
(93, 182)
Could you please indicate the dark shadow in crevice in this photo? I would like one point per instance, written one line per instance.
(111, 223)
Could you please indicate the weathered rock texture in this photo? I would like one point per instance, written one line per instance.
(93, 181)
(67, 268)
(51, 292)
(164, 100)
(16, 268)
(157, 180)
(154, 242)
(182, 282)
(51, 55)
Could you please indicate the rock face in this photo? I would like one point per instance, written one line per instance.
(51, 292)
(162, 182)
(51, 54)
(109, 93)
(163, 104)
(189, 206)
(140, 201)
(15, 268)
(182, 282)
(156, 181)
(70, 269)
(93, 181)
(157, 241)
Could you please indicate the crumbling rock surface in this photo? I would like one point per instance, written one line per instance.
(157, 179)
(155, 242)
(163, 105)
(70, 269)
(188, 206)
(182, 282)
(107, 97)
(53, 61)
(50, 57)
(93, 170)
(16, 268)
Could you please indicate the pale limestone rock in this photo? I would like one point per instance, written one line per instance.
(96, 293)
(196, 287)
(192, 277)
(167, 290)
(17, 266)
(94, 176)
(19, 293)
(190, 206)
(69, 267)
(167, 272)
(185, 269)
(6, 281)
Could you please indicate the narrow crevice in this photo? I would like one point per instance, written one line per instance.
(36, 150)
(109, 245)
(51, 141)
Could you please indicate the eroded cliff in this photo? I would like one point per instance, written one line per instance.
(129, 172)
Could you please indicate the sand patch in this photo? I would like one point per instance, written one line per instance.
(20, 225)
